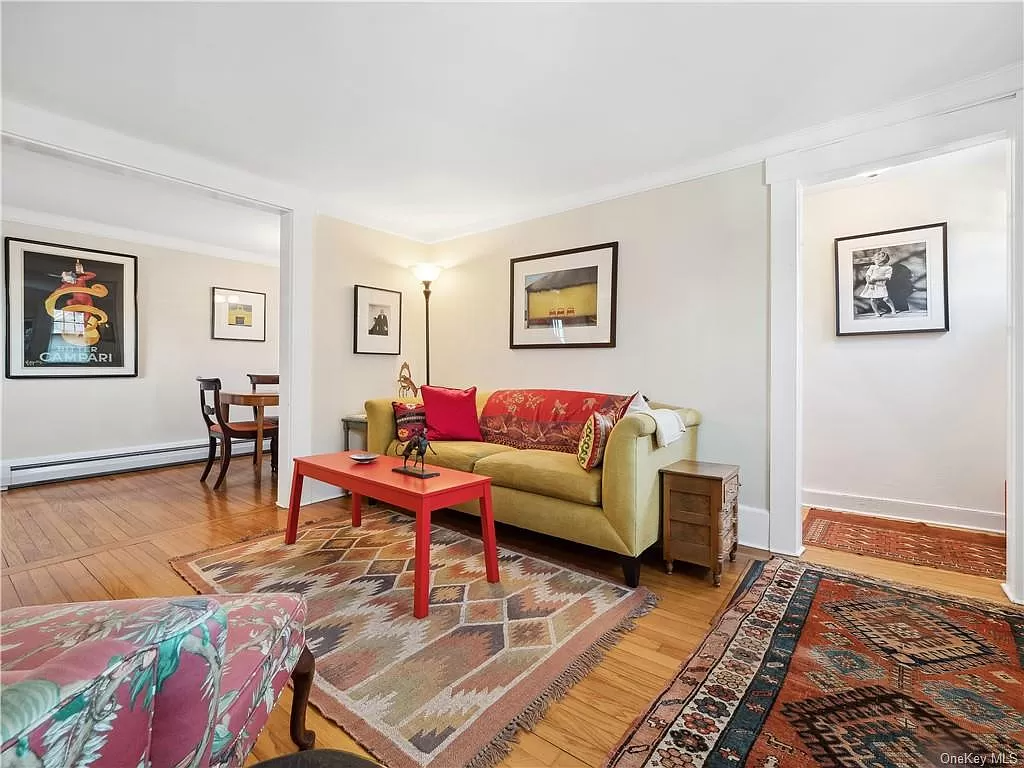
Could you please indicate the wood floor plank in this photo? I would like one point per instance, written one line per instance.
(8, 595)
(112, 537)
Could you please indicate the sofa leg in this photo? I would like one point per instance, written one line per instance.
(631, 571)
(302, 681)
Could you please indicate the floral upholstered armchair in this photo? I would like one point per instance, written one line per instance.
(165, 682)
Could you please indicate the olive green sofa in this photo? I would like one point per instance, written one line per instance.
(615, 507)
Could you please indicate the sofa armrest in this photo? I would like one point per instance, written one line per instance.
(630, 493)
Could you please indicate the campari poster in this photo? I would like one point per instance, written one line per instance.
(71, 312)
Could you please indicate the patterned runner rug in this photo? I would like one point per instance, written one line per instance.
(448, 690)
(952, 549)
(811, 666)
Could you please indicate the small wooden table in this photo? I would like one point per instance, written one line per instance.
(355, 422)
(699, 514)
(420, 496)
(259, 401)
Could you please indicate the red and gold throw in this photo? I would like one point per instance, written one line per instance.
(447, 690)
(811, 667)
(544, 419)
(594, 439)
(953, 549)
(410, 420)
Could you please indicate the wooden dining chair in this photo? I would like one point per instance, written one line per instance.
(221, 429)
(263, 379)
(256, 379)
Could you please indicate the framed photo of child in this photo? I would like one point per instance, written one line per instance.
(892, 282)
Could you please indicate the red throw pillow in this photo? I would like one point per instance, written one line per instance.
(410, 420)
(451, 413)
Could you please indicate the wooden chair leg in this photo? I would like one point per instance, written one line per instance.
(273, 454)
(225, 460)
(302, 681)
(209, 459)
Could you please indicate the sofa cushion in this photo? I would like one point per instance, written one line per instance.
(451, 413)
(596, 431)
(549, 473)
(544, 419)
(410, 420)
(455, 454)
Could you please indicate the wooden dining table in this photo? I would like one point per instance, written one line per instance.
(258, 401)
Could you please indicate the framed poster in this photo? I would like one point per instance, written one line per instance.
(71, 312)
(892, 282)
(238, 315)
(377, 327)
(564, 298)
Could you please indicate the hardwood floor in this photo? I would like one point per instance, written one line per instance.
(111, 538)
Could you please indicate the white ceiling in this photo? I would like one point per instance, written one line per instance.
(88, 195)
(435, 119)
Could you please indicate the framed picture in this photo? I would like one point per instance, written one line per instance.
(892, 282)
(71, 312)
(377, 329)
(564, 298)
(238, 315)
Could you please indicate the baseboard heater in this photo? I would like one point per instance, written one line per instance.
(19, 473)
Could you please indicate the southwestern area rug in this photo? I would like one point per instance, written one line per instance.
(448, 690)
(952, 549)
(811, 666)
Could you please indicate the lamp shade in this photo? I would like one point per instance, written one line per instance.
(426, 272)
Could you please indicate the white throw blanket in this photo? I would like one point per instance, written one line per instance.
(670, 426)
(669, 423)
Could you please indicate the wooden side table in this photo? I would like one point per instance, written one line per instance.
(699, 514)
(356, 422)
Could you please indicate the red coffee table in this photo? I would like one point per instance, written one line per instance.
(420, 496)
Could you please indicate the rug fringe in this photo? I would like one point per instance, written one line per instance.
(505, 740)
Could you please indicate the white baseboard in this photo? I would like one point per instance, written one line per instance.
(899, 509)
(753, 524)
(16, 473)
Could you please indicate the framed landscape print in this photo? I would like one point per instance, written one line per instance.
(71, 312)
(377, 329)
(238, 315)
(892, 282)
(564, 298)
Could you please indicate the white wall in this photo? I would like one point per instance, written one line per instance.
(344, 255)
(692, 310)
(47, 417)
(912, 425)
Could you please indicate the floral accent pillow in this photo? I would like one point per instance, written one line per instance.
(594, 439)
(410, 420)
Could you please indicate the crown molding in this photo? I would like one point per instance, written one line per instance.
(959, 95)
(141, 237)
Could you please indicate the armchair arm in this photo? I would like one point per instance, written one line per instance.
(630, 493)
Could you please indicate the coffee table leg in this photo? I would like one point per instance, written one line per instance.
(357, 510)
(294, 503)
(490, 540)
(421, 591)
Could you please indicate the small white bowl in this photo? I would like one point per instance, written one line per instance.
(363, 458)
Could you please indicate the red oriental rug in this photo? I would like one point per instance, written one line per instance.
(814, 667)
(453, 688)
(952, 549)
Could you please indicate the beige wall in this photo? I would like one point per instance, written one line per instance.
(345, 255)
(899, 422)
(48, 417)
(692, 310)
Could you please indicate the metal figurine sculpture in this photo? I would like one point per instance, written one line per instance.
(416, 448)
(406, 386)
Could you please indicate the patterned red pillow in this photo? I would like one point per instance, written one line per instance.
(594, 439)
(410, 420)
(545, 419)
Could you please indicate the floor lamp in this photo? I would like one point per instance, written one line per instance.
(427, 273)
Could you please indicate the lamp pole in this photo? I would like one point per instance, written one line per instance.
(426, 301)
